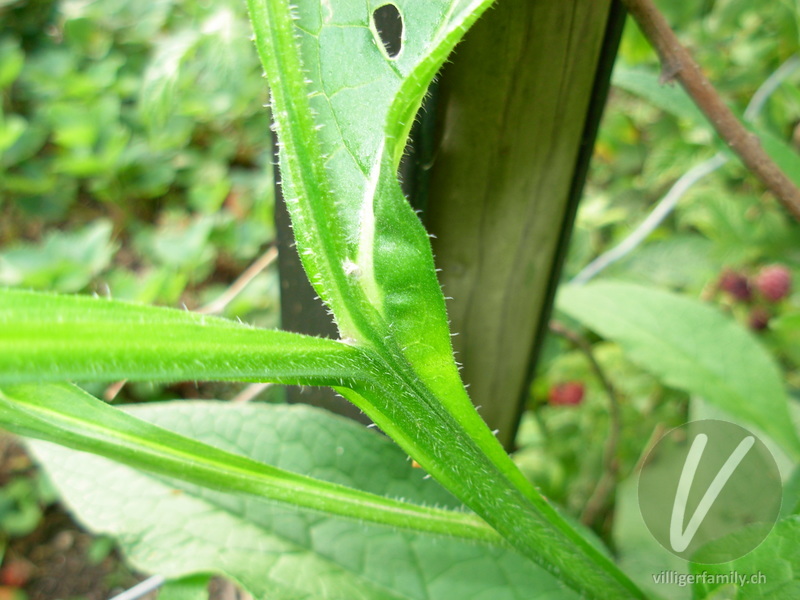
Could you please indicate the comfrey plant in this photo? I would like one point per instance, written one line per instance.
(238, 478)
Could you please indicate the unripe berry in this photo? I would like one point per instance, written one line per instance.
(774, 282)
(567, 394)
(736, 285)
(759, 318)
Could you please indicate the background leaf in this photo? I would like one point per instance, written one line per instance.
(188, 588)
(691, 346)
(638, 552)
(64, 262)
(670, 97)
(777, 559)
(278, 553)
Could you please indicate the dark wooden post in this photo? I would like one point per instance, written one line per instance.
(518, 111)
(498, 165)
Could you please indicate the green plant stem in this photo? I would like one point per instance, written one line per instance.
(68, 416)
(307, 191)
(432, 419)
(519, 513)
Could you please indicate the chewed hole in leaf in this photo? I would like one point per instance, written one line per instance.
(389, 24)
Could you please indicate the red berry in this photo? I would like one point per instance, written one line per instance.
(736, 285)
(759, 318)
(567, 394)
(774, 282)
(16, 572)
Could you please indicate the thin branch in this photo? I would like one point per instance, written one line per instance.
(664, 207)
(141, 589)
(112, 391)
(608, 480)
(668, 203)
(218, 305)
(678, 64)
(251, 392)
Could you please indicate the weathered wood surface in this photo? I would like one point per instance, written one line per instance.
(515, 115)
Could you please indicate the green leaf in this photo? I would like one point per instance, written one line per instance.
(45, 337)
(690, 346)
(64, 262)
(791, 494)
(342, 111)
(773, 567)
(12, 59)
(363, 248)
(638, 552)
(187, 588)
(781, 152)
(12, 128)
(275, 553)
(786, 329)
(52, 337)
(66, 415)
(669, 97)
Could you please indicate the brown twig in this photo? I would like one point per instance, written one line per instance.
(251, 392)
(678, 64)
(608, 480)
(114, 389)
(219, 304)
(655, 436)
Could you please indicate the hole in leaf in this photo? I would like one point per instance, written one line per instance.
(389, 24)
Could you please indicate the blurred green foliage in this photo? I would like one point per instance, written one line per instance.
(134, 150)
(135, 161)
(650, 136)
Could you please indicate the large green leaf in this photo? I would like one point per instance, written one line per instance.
(66, 415)
(51, 337)
(45, 337)
(690, 346)
(273, 552)
(787, 330)
(771, 571)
